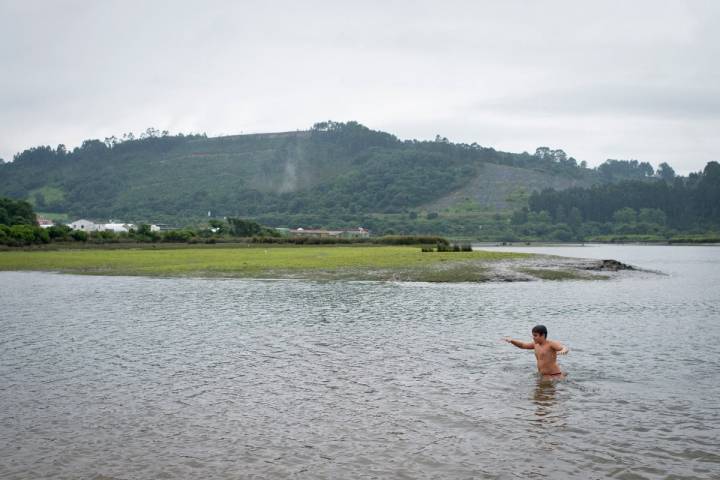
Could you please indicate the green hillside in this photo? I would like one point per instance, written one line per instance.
(335, 173)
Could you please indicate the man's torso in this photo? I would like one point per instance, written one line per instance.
(546, 359)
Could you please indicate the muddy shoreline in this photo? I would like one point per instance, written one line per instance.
(528, 269)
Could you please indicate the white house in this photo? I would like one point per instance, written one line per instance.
(84, 225)
(116, 227)
(339, 233)
(88, 226)
(44, 222)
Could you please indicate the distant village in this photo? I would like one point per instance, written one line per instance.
(111, 226)
(319, 233)
(120, 227)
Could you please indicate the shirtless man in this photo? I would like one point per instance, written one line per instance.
(546, 352)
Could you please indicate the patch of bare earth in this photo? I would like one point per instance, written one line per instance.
(531, 268)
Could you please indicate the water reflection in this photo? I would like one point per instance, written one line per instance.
(545, 397)
(549, 410)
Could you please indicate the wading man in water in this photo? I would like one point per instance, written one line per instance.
(546, 351)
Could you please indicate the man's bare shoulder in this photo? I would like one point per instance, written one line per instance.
(558, 346)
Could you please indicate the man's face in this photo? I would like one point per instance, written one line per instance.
(538, 338)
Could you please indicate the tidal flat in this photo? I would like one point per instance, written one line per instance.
(380, 263)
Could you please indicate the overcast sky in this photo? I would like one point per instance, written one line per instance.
(603, 79)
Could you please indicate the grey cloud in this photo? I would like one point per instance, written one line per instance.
(642, 100)
(506, 74)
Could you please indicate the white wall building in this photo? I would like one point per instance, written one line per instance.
(116, 227)
(84, 225)
(88, 226)
(44, 222)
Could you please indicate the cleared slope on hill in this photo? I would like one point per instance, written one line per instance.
(503, 187)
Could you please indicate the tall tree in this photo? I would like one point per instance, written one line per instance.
(666, 172)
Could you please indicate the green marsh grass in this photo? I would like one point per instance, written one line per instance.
(322, 262)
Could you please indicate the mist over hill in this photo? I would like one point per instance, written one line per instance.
(333, 174)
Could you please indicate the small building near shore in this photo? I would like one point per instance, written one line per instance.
(359, 232)
(116, 227)
(161, 227)
(44, 222)
(84, 225)
(336, 233)
(89, 226)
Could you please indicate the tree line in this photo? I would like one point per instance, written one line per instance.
(341, 175)
(661, 208)
(686, 202)
(19, 228)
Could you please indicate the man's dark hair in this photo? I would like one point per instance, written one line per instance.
(540, 329)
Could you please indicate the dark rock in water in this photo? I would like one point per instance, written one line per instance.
(610, 266)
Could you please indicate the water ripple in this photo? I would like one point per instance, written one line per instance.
(118, 378)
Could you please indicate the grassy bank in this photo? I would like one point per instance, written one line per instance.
(313, 262)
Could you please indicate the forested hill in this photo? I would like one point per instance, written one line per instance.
(335, 171)
(683, 203)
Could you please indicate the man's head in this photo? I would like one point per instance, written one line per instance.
(539, 333)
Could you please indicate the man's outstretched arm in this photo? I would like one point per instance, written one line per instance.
(559, 348)
(519, 344)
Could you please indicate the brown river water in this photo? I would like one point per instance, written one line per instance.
(135, 378)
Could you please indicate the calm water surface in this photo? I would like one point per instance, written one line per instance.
(117, 377)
